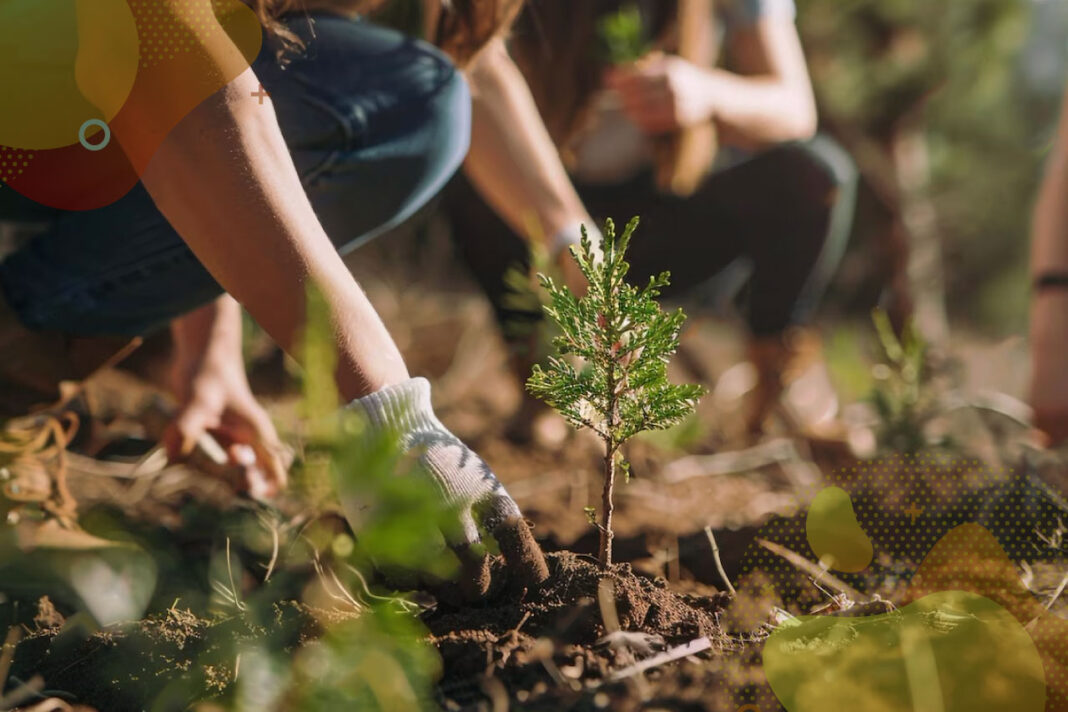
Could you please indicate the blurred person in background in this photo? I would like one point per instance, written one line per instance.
(1049, 304)
(722, 165)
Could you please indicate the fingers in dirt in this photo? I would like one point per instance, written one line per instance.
(524, 558)
(501, 518)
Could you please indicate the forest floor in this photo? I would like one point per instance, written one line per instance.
(658, 631)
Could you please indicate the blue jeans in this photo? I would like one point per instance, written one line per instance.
(376, 124)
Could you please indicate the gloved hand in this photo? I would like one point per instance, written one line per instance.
(465, 483)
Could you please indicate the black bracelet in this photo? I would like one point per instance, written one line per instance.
(1051, 280)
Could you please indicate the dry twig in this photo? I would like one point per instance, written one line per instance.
(817, 572)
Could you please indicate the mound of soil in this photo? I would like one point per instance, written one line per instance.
(551, 642)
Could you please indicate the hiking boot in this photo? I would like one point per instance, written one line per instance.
(790, 380)
(35, 364)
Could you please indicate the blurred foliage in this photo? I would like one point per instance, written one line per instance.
(902, 397)
(255, 608)
(320, 364)
(621, 36)
(395, 510)
(524, 329)
(377, 661)
(955, 68)
(681, 438)
(845, 350)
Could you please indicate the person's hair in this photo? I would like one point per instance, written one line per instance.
(464, 28)
(269, 12)
(556, 46)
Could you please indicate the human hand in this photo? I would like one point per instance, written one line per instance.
(662, 93)
(465, 483)
(215, 398)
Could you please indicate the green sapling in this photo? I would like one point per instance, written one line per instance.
(624, 341)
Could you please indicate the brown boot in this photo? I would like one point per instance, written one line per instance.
(768, 357)
(34, 364)
(792, 382)
(533, 422)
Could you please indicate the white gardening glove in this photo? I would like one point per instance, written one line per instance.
(464, 481)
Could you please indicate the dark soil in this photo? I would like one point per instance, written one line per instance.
(547, 647)
(175, 657)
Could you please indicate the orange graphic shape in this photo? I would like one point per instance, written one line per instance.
(65, 62)
(969, 558)
(188, 50)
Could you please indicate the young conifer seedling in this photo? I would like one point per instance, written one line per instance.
(624, 342)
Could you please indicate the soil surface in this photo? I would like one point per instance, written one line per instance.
(174, 657)
(568, 644)
(553, 641)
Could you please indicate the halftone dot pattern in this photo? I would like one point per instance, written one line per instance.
(937, 523)
(13, 162)
(167, 30)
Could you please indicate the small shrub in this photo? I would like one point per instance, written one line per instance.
(624, 341)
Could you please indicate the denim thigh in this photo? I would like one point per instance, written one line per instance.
(376, 124)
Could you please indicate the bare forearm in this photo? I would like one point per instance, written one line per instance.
(513, 162)
(1049, 305)
(770, 99)
(210, 333)
(1049, 243)
(224, 180)
(757, 111)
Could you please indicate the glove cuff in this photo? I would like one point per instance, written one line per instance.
(403, 407)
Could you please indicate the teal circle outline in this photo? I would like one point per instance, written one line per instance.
(94, 146)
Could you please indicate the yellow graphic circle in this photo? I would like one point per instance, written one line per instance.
(834, 533)
(66, 62)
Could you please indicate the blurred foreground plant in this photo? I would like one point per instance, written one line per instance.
(622, 36)
(625, 341)
(902, 395)
(257, 607)
(379, 658)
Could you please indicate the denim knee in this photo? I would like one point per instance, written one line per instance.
(377, 123)
(451, 111)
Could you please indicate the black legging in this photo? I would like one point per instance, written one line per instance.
(788, 211)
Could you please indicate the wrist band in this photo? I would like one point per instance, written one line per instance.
(1051, 280)
(572, 235)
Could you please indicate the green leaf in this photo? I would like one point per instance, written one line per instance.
(591, 515)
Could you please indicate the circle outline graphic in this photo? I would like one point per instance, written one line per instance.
(94, 146)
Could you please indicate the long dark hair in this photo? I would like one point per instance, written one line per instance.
(464, 28)
(269, 11)
(555, 44)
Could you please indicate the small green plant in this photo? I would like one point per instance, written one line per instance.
(903, 395)
(621, 35)
(624, 341)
